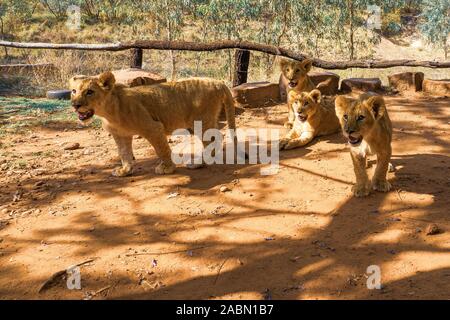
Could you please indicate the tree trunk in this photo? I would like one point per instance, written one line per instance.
(241, 62)
(173, 62)
(445, 49)
(136, 58)
(351, 13)
(2, 33)
(173, 70)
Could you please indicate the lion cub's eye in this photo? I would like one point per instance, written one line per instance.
(74, 91)
(297, 70)
(89, 93)
(361, 118)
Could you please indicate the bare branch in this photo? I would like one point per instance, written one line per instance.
(228, 44)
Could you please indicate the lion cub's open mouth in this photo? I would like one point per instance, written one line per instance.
(292, 84)
(302, 118)
(83, 116)
(354, 140)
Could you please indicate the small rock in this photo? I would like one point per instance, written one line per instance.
(224, 189)
(433, 229)
(72, 146)
(173, 195)
(88, 152)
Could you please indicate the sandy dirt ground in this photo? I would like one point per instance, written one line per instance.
(298, 234)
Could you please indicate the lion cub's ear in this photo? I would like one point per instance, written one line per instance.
(107, 80)
(316, 96)
(306, 65)
(75, 80)
(283, 63)
(376, 106)
(340, 104)
(293, 95)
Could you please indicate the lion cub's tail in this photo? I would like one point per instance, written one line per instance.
(228, 105)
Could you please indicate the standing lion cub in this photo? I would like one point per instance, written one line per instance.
(313, 118)
(365, 123)
(150, 111)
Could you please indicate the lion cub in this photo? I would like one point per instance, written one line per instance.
(313, 118)
(150, 111)
(365, 123)
(295, 73)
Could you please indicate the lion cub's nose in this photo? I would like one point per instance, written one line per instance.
(76, 106)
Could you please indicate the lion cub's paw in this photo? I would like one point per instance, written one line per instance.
(381, 185)
(122, 172)
(288, 124)
(361, 190)
(283, 143)
(164, 168)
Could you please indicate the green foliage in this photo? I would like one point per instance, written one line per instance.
(435, 23)
(25, 105)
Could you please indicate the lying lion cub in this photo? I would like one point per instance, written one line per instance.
(313, 118)
(296, 74)
(150, 111)
(365, 123)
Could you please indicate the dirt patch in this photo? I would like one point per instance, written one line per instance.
(298, 234)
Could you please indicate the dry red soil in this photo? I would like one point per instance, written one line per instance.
(298, 234)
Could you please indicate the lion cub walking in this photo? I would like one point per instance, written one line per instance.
(365, 123)
(150, 111)
(295, 74)
(313, 118)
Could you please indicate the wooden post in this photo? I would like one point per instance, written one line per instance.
(241, 60)
(136, 58)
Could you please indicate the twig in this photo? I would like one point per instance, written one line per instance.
(46, 285)
(163, 253)
(8, 112)
(398, 193)
(101, 290)
(220, 269)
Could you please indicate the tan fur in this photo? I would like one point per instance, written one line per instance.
(313, 118)
(151, 111)
(366, 119)
(296, 73)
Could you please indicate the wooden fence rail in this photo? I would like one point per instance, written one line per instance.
(241, 59)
